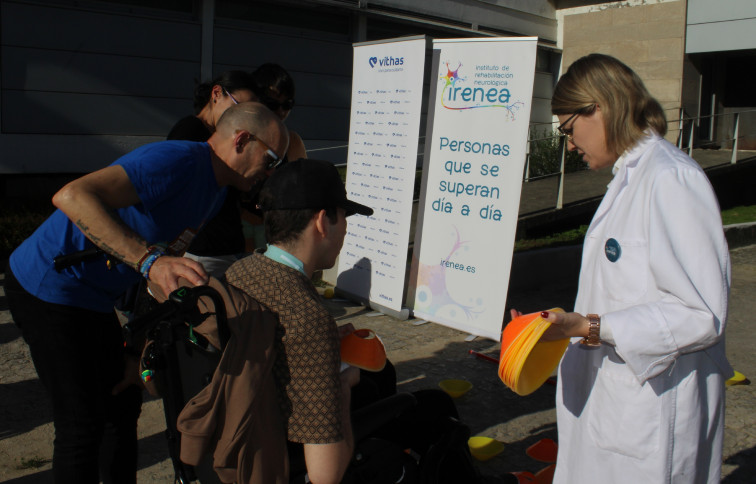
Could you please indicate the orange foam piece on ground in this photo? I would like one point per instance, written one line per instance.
(545, 475)
(524, 477)
(545, 450)
(364, 349)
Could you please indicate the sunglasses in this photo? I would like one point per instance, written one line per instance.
(273, 160)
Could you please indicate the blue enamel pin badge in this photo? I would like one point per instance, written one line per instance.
(612, 250)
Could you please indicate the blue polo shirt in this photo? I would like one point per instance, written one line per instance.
(178, 191)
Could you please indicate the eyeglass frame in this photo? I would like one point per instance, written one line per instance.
(277, 160)
(568, 132)
(229, 95)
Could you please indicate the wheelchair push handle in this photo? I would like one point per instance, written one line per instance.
(180, 306)
(62, 262)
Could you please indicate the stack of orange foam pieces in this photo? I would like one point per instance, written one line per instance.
(525, 361)
(364, 349)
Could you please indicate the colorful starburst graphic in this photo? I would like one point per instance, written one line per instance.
(452, 77)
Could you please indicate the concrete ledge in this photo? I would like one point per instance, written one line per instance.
(740, 235)
(560, 266)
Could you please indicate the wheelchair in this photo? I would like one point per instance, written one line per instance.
(179, 363)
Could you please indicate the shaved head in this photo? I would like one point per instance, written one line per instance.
(249, 140)
(254, 118)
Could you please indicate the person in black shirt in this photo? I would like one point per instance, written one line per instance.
(221, 241)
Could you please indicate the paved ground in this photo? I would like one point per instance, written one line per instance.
(423, 355)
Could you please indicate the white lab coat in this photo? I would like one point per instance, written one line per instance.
(649, 408)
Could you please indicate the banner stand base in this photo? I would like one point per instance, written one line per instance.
(401, 315)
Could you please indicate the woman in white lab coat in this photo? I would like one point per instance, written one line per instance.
(640, 396)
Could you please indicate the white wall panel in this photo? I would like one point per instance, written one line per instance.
(704, 11)
(81, 85)
(721, 36)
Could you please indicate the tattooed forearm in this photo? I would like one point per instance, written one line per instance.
(104, 245)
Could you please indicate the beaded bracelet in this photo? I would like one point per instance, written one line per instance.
(146, 254)
(146, 265)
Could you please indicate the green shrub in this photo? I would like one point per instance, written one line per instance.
(17, 222)
(568, 237)
(544, 158)
(32, 463)
(739, 215)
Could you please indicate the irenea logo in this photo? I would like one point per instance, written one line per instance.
(387, 61)
(487, 93)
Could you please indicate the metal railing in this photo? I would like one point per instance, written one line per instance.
(692, 125)
(687, 140)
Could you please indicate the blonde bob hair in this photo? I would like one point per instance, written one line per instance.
(628, 109)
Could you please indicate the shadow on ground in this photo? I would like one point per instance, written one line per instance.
(24, 407)
(9, 332)
(746, 462)
(41, 477)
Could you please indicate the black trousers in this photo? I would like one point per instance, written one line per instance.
(79, 357)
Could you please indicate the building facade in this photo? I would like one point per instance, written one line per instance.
(697, 57)
(84, 81)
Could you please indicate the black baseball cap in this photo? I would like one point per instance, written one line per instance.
(308, 183)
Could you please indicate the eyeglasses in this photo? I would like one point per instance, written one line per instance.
(274, 161)
(229, 95)
(568, 131)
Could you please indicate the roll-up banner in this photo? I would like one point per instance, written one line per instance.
(472, 177)
(384, 127)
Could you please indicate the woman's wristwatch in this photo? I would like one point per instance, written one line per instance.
(594, 330)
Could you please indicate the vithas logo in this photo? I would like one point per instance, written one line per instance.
(387, 61)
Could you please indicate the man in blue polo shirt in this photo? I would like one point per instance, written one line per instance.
(139, 214)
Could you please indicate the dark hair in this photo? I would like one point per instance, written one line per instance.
(231, 81)
(272, 76)
(284, 226)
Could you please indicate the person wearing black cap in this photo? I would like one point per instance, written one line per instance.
(305, 208)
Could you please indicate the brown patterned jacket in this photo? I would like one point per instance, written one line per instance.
(308, 361)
